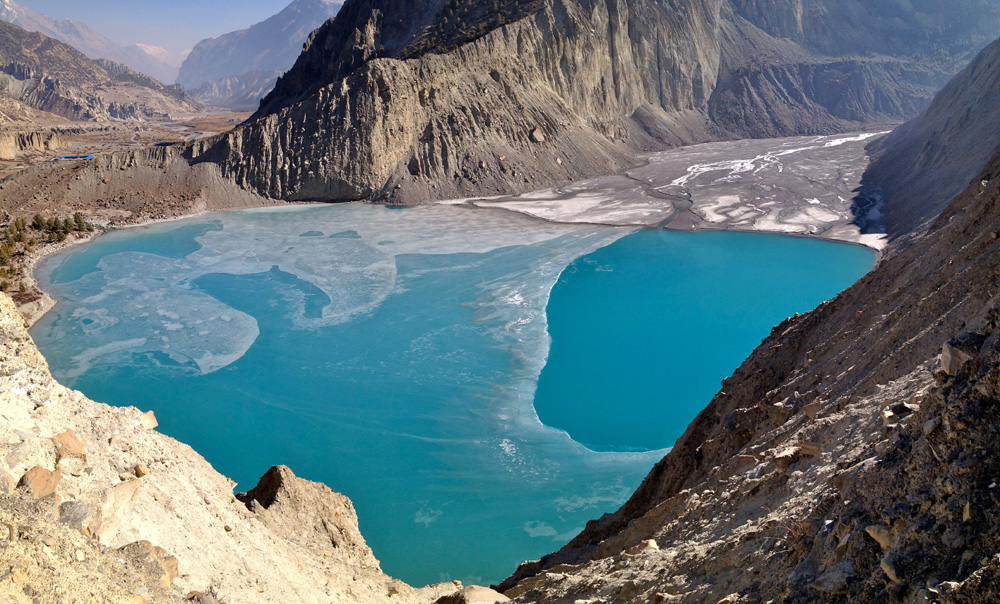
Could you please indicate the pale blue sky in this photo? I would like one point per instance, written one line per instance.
(176, 25)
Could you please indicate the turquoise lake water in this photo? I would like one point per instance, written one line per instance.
(395, 355)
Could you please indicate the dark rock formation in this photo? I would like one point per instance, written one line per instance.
(935, 156)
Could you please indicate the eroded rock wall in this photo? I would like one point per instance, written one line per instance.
(535, 92)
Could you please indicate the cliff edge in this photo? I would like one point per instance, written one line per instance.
(96, 505)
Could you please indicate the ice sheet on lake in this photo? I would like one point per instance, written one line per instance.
(347, 252)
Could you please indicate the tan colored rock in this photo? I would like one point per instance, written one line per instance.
(889, 567)
(784, 459)
(141, 470)
(953, 358)
(811, 449)
(474, 594)
(116, 503)
(882, 535)
(137, 599)
(148, 421)
(812, 409)
(68, 445)
(7, 482)
(146, 552)
(40, 482)
(648, 544)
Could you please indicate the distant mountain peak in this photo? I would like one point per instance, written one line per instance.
(88, 40)
(236, 69)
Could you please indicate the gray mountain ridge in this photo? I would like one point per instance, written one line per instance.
(461, 98)
(237, 69)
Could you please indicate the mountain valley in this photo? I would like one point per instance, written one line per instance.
(850, 458)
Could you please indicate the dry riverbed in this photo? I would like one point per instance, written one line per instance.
(796, 186)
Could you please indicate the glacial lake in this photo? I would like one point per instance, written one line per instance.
(395, 356)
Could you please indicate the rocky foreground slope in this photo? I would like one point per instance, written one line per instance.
(97, 506)
(466, 98)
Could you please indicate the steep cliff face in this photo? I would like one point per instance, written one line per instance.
(935, 156)
(464, 98)
(850, 458)
(16, 143)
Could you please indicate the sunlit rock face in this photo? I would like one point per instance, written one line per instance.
(451, 101)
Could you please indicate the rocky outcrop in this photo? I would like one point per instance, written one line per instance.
(53, 77)
(106, 508)
(935, 156)
(443, 104)
(850, 458)
(13, 144)
(226, 71)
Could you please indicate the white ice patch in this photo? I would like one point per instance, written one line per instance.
(357, 274)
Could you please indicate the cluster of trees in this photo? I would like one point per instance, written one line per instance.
(20, 238)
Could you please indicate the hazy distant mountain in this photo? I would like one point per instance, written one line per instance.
(51, 76)
(239, 68)
(94, 44)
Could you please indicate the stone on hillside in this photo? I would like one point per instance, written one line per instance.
(116, 504)
(7, 482)
(959, 350)
(812, 409)
(952, 359)
(40, 482)
(888, 565)
(141, 470)
(474, 594)
(810, 449)
(834, 581)
(75, 514)
(144, 551)
(537, 135)
(68, 445)
(880, 534)
(17, 454)
(786, 458)
(396, 587)
(148, 421)
(648, 544)
(71, 457)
